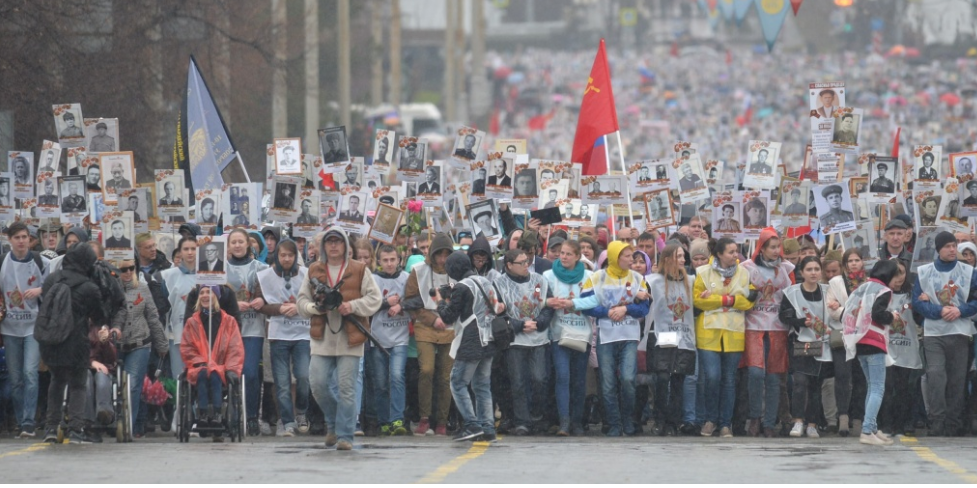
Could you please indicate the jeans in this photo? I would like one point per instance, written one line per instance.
(135, 363)
(76, 380)
(689, 403)
(764, 390)
(668, 398)
(288, 359)
(252, 382)
(946, 377)
(873, 365)
(389, 386)
(339, 403)
(176, 359)
(570, 372)
(99, 398)
(849, 385)
(23, 359)
(209, 391)
(618, 367)
(478, 374)
(806, 399)
(527, 372)
(717, 384)
(900, 395)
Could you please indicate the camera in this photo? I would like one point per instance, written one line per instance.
(445, 291)
(326, 297)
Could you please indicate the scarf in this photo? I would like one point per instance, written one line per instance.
(240, 261)
(856, 279)
(568, 276)
(775, 264)
(726, 273)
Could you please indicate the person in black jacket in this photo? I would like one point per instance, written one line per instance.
(70, 360)
(472, 354)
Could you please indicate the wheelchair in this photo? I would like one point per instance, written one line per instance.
(121, 426)
(233, 411)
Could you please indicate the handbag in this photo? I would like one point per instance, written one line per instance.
(575, 344)
(502, 333)
(808, 349)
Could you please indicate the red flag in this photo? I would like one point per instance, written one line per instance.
(494, 123)
(597, 118)
(539, 122)
(796, 5)
(895, 144)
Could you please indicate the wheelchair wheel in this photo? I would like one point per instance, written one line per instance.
(127, 418)
(183, 407)
(242, 414)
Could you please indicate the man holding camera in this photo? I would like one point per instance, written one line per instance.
(337, 291)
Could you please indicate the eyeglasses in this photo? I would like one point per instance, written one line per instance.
(461, 248)
(127, 269)
(520, 263)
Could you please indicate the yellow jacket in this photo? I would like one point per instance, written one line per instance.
(727, 336)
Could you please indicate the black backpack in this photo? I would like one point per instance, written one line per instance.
(106, 277)
(53, 324)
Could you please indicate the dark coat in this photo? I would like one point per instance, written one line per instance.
(75, 272)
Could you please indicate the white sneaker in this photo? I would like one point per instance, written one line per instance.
(193, 431)
(264, 427)
(884, 438)
(280, 430)
(871, 440)
(289, 431)
(812, 432)
(798, 429)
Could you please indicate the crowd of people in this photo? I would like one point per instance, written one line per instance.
(550, 331)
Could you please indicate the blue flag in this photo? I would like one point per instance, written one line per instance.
(726, 7)
(207, 144)
(772, 14)
(740, 9)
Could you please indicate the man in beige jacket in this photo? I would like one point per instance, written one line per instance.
(335, 353)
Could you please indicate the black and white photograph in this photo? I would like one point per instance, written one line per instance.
(605, 190)
(117, 234)
(383, 150)
(284, 198)
(412, 154)
(165, 242)
(385, 224)
(468, 142)
(310, 170)
(22, 167)
(49, 159)
(501, 174)
(727, 221)
(334, 147)
(525, 191)
(73, 201)
(927, 203)
(756, 212)
(269, 164)
(858, 189)
(307, 222)
(75, 159)
(883, 177)
(925, 250)
(834, 206)
(863, 239)
(848, 123)
(430, 190)
(549, 173)
(714, 171)
(137, 201)
(48, 196)
(658, 209)
(484, 219)
(351, 177)
(118, 171)
(926, 169)
(102, 135)
(504, 145)
(826, 98)
(761, 166)
(553, 195)
(352, 213)
(208, 208)
(211, 260)
(288, 156)
(691, 179)
(963, 165)
(170, 187)
(949, 214)
(576, 213)
(241, 205)
(479, 172)
(69, 124)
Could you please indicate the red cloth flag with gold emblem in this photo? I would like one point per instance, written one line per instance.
(598, 116)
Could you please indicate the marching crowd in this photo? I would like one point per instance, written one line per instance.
(542, 333)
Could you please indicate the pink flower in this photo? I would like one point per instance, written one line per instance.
(415, 205)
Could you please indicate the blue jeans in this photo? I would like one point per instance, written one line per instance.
(570, 370)
(873, 365)
(289, 358)
(333, 382)
(210, 391)
(717, 384)
(389, 385)
(176, 359)
(23, 359)
(252, 381)
(135, 364)
(360, 373)
(764, 390)
(618, 363)
(478, 374)
(527, 376)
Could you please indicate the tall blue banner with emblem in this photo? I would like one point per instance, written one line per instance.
(207, 147)
(772, 14)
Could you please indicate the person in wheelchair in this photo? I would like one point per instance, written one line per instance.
(98, 408)
(213, 355)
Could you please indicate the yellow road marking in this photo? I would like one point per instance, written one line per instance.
(33, 447)
(439, 474)
(927, 454)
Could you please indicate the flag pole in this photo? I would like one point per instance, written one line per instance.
(624, 171)
(607, 157)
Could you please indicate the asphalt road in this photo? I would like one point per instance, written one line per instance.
(593, 459)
